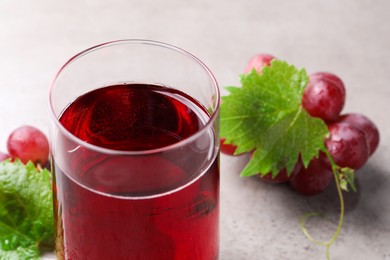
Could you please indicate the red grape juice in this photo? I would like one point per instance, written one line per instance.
(160, 204)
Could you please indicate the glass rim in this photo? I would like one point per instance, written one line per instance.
(183, 142)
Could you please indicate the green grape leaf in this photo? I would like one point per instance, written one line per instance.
(265, 115)
(26, 210)
(347, 179)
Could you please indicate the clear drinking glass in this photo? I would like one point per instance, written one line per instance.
(134, 143)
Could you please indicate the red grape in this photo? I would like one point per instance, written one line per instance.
(324, 96)
(257, 62)
(282, 176)
(330, 77)
(314, 179)
(228, 149)
(365, 125)
(28, 144)
(347, 145)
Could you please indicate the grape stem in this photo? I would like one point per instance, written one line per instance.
(308, 215)
(39, 167)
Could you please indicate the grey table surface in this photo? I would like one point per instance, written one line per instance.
(350, 38)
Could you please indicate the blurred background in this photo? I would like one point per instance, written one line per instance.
(350, 38)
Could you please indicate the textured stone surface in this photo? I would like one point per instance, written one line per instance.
(258, 221)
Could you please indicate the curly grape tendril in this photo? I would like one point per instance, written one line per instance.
(308, 215)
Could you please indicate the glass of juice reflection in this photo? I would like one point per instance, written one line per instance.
(135, 154)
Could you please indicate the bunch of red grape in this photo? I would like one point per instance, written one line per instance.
(27, 143)
(353, 137)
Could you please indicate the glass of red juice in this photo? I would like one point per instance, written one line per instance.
(134, 143)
